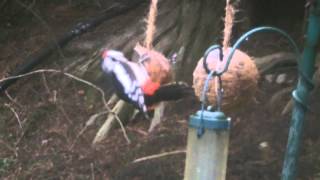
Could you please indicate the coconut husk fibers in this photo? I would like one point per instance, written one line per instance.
(156, 64)
(239, 82)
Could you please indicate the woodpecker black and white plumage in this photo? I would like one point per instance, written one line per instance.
(133, 84)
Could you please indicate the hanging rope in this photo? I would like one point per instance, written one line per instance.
(151, 27)
(228, 24)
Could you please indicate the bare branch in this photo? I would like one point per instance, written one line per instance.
(117, 109)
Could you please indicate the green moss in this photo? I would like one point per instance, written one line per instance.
(5, 164)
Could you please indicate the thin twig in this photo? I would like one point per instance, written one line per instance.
(45, 83)
(79, 80)
(90, 61)
(92, 171)
(74, 64)
(12, 99)
(159, 155)
(14, 112)
(63, 112)
(288, 107)
(139, 131)
(54, 96)
(9, 147)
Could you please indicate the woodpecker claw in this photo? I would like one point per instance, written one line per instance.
(143, 58)
(146, 116)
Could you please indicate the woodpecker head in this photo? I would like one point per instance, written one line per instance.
(110, 57)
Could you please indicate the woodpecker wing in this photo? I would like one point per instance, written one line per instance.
(127, 85)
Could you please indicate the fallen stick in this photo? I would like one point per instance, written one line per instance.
(155, 156)
(15, 114)
(121, 109)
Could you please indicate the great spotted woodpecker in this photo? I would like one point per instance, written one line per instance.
(134, 85)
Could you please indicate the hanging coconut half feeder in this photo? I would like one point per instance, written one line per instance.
(157, 65)
(239, 82)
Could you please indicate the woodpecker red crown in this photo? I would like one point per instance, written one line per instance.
(105, 53)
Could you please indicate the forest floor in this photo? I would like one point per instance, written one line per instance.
(54, 110)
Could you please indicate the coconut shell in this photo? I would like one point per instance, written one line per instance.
(156, 64)
(239, 82)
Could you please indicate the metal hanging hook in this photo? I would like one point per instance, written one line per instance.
(206, 54)
(212, 73)
(219, 93)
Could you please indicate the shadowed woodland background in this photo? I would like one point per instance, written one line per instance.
(52, 142)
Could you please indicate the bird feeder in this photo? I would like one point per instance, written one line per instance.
(216, 76)
(239, 82)
(208, 135)
(157, 65)
(207, 155)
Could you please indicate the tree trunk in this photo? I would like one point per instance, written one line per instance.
(197, 24)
